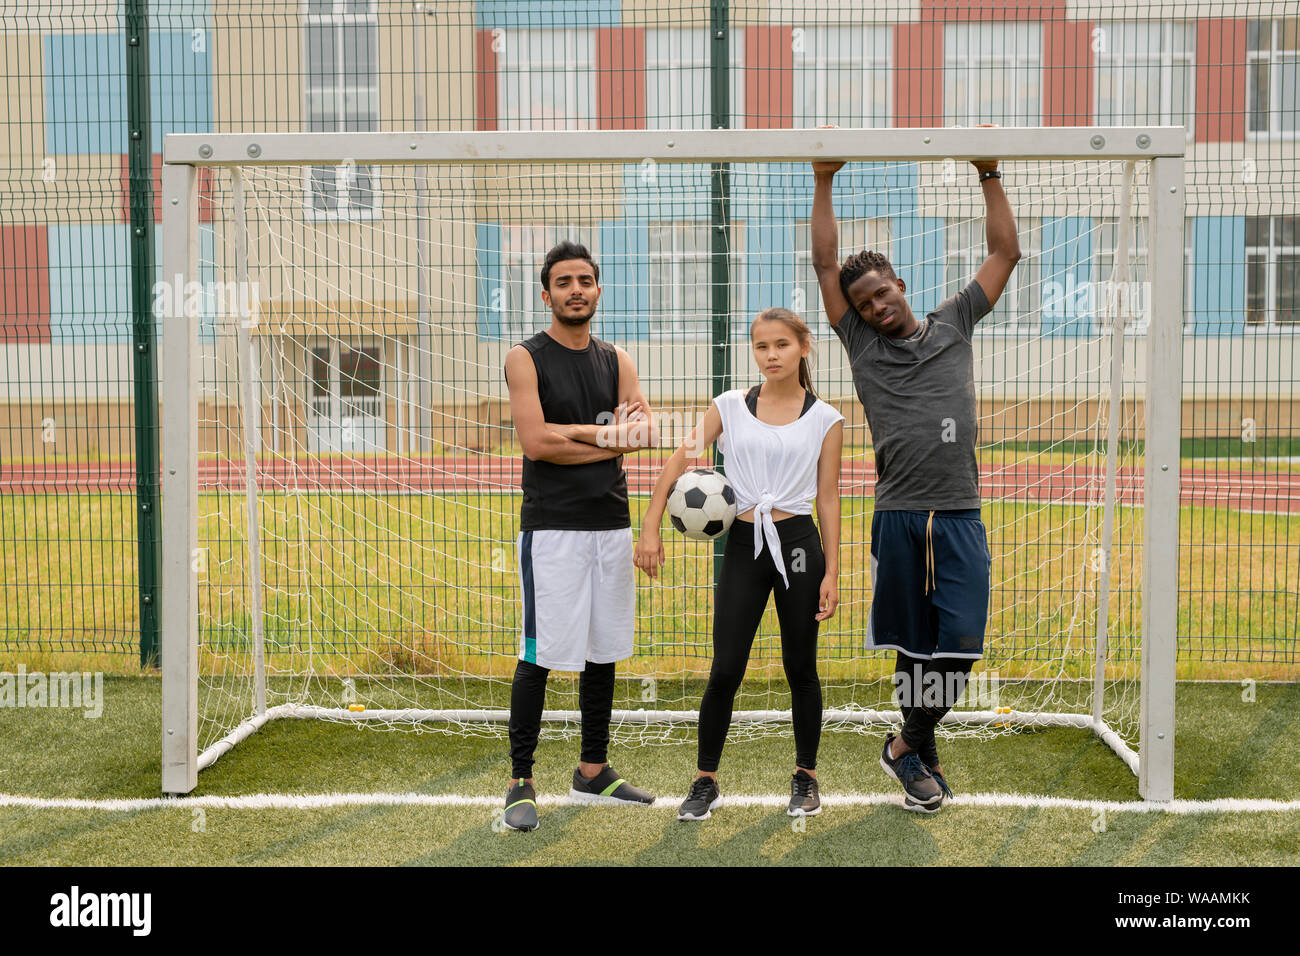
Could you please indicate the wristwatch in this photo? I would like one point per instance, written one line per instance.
(991, 174)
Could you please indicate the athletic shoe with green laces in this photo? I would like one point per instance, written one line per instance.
(521, 807)
(909, 804)
(701, 801)
(607, 787)
(805, 801)
(918, 783)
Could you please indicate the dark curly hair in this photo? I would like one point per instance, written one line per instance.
(562, 252)
(859, 264)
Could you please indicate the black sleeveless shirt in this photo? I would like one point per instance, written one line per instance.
(574, 387)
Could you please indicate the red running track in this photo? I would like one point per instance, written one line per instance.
(1276, 492)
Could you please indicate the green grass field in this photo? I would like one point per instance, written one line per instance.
(391, 578)
(1226, 748)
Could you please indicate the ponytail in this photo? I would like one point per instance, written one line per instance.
(805, 376)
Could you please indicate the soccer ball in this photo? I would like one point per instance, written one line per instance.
(701, 504)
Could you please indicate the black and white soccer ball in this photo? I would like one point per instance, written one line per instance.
(701, 504)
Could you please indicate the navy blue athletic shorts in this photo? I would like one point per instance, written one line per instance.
(929, 583)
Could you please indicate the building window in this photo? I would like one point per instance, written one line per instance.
(1146, 75)
(546, 79)
(993, 73)
(680, 273)
(341, 84)
(678, 91)
(855, 236)
(842, 76)
(1272, 271)
(1273, 68)
(523, 250)
(1019, 309)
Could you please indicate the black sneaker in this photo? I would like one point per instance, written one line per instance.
(701, 801)
(804, 798)
(918, 783)
(521, 807)
(910, 804)
(607, 787)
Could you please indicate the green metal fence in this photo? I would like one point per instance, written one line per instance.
(91, 89)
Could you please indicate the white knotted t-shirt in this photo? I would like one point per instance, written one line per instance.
(772, 466)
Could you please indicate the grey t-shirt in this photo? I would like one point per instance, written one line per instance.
(919, 396)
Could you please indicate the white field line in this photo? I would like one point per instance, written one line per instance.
(320, 801)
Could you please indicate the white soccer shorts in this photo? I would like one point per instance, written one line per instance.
(579, 597)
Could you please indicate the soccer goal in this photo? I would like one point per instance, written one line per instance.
(340, 472)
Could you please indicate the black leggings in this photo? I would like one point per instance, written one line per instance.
(739, 601)
(528, 699)
(926, 690)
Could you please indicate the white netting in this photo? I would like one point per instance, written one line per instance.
(388, 471)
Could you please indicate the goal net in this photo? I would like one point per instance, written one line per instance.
(351, 471)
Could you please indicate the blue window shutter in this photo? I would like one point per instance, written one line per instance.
(491, 280)
(546, 14)
(90, 274)
(918, 260)
(1067, 306)
(85, 93)
(769, 266)
(624, 280)
(181, 91)
(1218, 295)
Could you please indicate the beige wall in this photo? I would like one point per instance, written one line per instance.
(429, 54)
(87, 392)
(104, 430)
(248, 47)
(244, 49)
(22, 100)
(1260, 365)
(61, 16)
(1127, 10)
(95, 429)
(654, 13)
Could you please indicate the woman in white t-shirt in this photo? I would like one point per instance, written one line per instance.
(782, 448)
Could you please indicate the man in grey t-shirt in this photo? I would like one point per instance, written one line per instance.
(929, 552)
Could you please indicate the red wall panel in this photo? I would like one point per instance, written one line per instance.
(620, 78)
(1220, 81)
(24, 284)
(769, 77)
(966, 11)
(1067, 73)
(918, 74)
(485, 81)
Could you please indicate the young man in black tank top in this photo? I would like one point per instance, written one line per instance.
(578, 408)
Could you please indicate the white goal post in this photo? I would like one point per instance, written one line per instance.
(189, 157)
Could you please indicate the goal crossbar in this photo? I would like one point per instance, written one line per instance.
(677, 146)
(1163, 147)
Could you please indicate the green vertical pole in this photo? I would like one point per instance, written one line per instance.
(140, 179)
(720, 219)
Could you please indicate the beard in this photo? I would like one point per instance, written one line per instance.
(573, 320)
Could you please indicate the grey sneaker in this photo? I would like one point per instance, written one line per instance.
(521, 807)
(805, 801)
(918, 783)
(607, 787)
(701, 801)
(909, 804)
